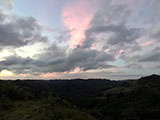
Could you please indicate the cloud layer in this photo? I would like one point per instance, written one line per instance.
(106, 37)
(7, 3)
(19, 31)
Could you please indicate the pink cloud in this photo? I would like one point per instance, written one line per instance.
(93, 46)
(147, 43)
(76, 18)
(48, 75)
(76, 70)
(121, 51)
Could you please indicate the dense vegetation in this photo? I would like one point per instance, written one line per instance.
(17, 103)
(93, 99)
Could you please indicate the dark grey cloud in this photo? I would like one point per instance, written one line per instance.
(150, 60)
(134, 66)
(63, 36)
(89, 59)
(122, 35)
(15, 60)
(19, 31)
(2, 17)
(16, 64)
(150, 57)
(156, 49)
(156, 36)
(110, 25)
(111, 12)
(55, 59)
(111, 20)
(58, 60)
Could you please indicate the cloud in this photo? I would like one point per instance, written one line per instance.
(148, 62)
(19, 31)
(16, 63)
(76, 17)
(101, 35)
(151, 57)
(156, 36)
(85, 59)
(2, 17)
(6, 3)
(90, 59)
(15, 60)
(122, 35)
(55, 59)
(112, 30)
(108, 29)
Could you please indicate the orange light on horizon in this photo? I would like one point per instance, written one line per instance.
(48, 75)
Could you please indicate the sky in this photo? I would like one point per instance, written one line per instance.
(66, 39)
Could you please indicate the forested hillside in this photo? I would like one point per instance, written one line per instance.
(91, 99)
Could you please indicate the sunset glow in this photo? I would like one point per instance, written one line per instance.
(6, 73)
(67, 38)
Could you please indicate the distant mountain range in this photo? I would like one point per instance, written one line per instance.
(78, 99)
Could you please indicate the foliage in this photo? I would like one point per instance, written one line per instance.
(95, 99)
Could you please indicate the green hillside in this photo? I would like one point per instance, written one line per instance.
(20, 104)
(93, 99)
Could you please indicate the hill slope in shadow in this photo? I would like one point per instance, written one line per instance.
(91, 99)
